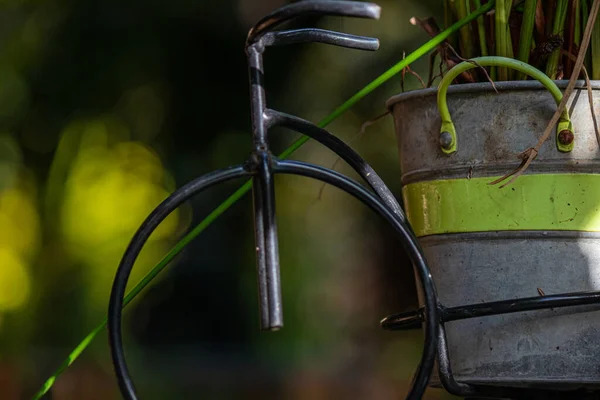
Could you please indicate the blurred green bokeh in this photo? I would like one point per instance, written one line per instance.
(105, 108)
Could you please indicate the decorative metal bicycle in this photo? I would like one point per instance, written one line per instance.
(262, 167)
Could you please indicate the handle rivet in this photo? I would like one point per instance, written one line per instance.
(446, 140)
(565, 137)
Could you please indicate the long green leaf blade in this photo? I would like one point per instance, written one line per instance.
(557, 29)
(526, 37)
(501, 28)
(595, 50)
(481, 31)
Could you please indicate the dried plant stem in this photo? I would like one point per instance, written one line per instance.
(361, 133)
(590, 93)
(446, 57)
(530, 154)
(477, 65)
(540, 22)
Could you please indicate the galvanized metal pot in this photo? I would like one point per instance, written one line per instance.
(540, 235)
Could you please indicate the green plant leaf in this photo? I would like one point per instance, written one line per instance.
(526, 33)
(557, 29)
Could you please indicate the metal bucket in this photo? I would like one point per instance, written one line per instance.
(540, 235)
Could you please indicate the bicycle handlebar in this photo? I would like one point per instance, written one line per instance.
(321, 36)
(324, 7)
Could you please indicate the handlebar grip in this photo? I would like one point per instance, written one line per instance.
(281, 38)
(355, 9)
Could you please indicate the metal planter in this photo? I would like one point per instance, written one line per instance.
(540, 235)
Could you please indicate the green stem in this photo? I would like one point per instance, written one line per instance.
(526, 37)
(585, 13)
(500, 30)
(577, 28)
(448, 125)
(509, 45)
(595, 47)
(421, 51)
(466, 37)
(481, 31)
(72, 357)
(557, 29)
(449, 14)
(509, 52)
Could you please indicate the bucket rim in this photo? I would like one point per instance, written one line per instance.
(482, 87)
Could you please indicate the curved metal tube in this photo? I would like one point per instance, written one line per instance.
(288, 167)
(411, 246)
(281, 38)
(413, 319)
(322, 7)
(405, 320)
(479, 391)
(335, 144)
(445, 370)
(135, 246)
(267, 243)
(450, 143)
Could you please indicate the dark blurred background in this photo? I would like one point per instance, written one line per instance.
(105, 108)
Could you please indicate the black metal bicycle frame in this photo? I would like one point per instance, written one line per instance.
(262, 166)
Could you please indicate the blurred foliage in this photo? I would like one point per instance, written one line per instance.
(111, 186)
(105, 108)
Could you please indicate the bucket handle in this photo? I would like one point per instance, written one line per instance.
(448, 139)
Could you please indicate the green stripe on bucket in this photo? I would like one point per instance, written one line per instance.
(533, 202)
